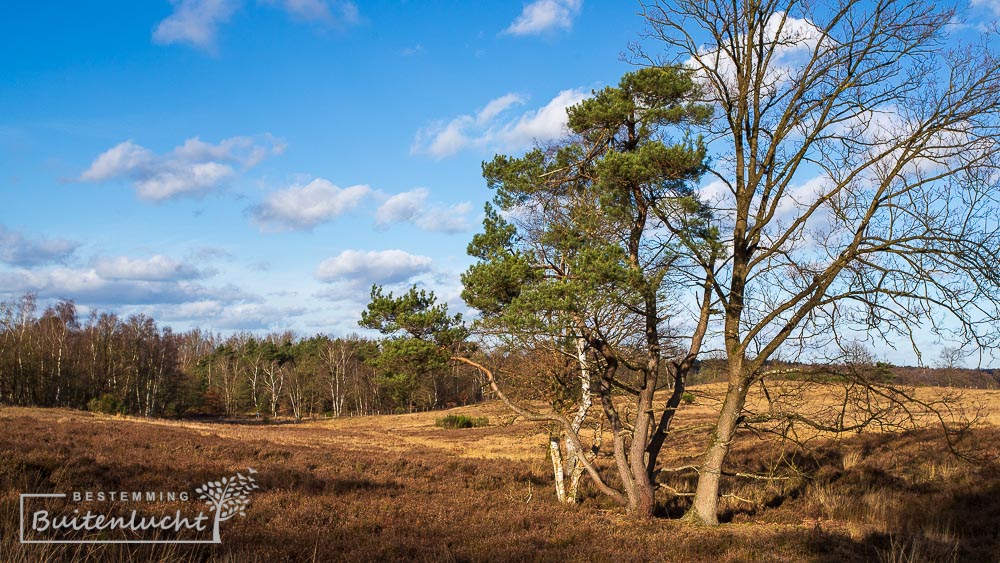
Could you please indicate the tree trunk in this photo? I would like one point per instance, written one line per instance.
(569, 473)
(644, 500)
(555, 452)
(705, 509)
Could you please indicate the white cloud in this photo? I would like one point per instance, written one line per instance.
(401, 207)
(411, 207)
(89, 287)
(445, 141)
(194, 168)
(349, 13)
(315, 10)
(492, 126)
(243, 150)
(453, 219)
(304, 207)
(792, 39)
(374, 266)
(992, 5)
(219, 315)
(255, 316)
(155, 268)
(544, 15)
(16, 250)
(204, 309)
(321, 11)
(546, 123)
(496, 107)
(117, 160)
(195, 178)
(194, 22)
(799, 197)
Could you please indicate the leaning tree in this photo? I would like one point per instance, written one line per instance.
(854, 180)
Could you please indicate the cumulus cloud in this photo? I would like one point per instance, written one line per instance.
(155, 268)
(411, 207)
(17, 250)
(401, 207)
(194, 168)
(546, 123)
(545, 15)
(90, 287)
(194, 22)
(374, 266)
(304, 207)
(451, 219)
(494, 127)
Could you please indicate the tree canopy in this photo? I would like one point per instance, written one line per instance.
(589, 239)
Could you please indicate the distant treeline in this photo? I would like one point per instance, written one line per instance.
(131, 366)
(713, 370)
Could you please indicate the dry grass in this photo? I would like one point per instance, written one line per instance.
(399, 488)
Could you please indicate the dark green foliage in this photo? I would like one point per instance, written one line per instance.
(556, 238)
(688, 398)
(106, 404)
(414, 314)
(462, 421)
(421, 336)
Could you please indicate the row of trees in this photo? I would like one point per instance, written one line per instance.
(53, 359)
(128, 365)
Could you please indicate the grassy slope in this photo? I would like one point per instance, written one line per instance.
(397, 487)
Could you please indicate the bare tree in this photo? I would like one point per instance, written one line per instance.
(254, 360)
(274, 381)
(855, 180)
(951, 359)
(338, 356)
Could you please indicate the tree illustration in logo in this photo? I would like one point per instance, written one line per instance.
(228, 497)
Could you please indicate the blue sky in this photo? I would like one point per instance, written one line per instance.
(259, 164)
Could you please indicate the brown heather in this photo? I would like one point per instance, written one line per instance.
(400, 488)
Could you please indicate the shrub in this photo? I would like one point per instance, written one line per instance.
(688, 398)
(462, 421)
(106, 404)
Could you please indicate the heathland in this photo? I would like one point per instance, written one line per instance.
(401, 487)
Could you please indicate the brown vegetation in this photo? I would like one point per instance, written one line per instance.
(398, 487)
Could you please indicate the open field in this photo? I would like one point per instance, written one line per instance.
(397, 487)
